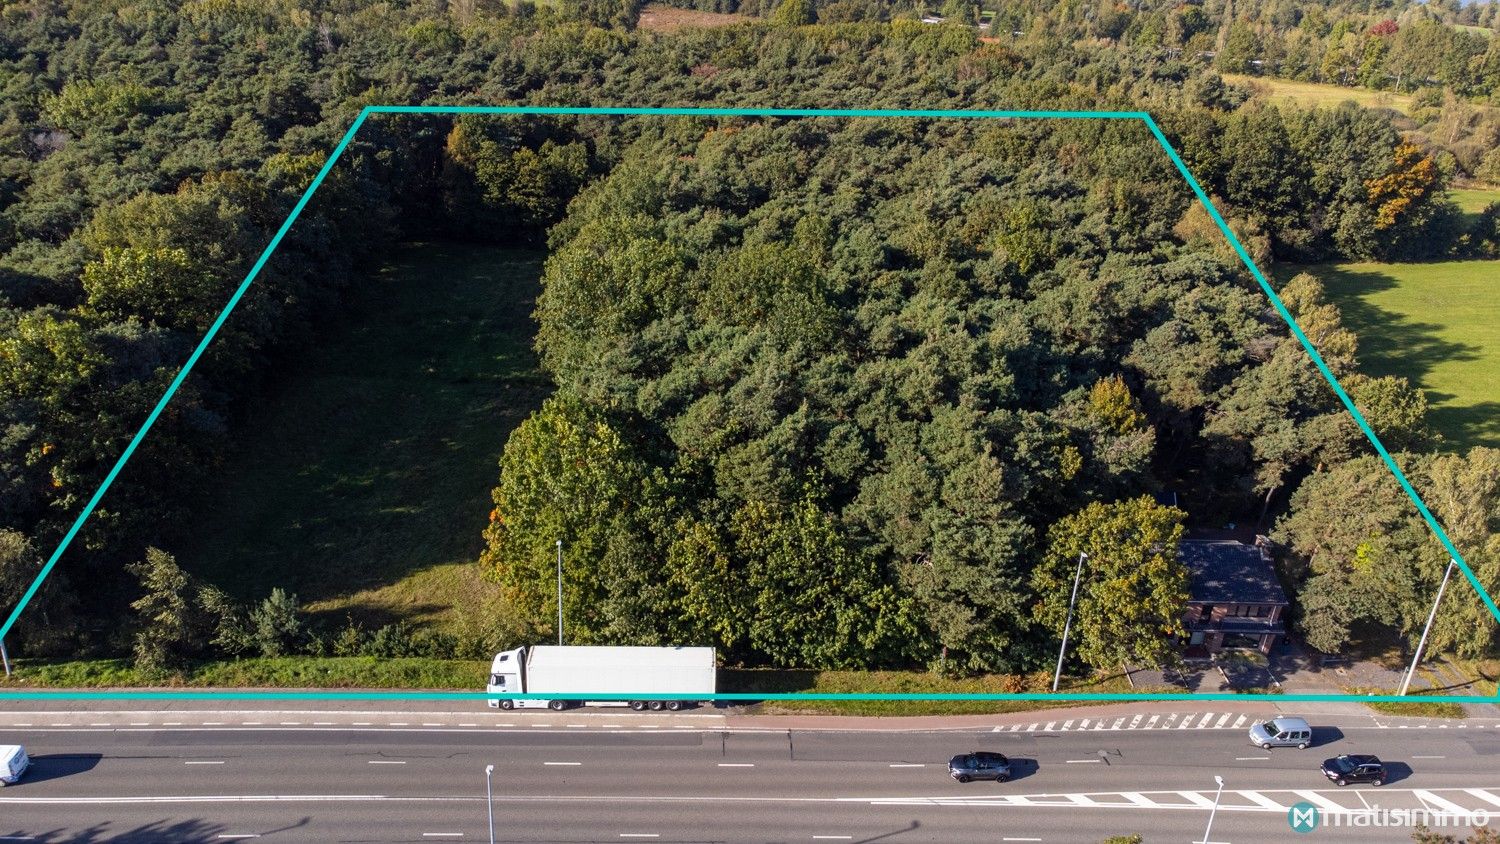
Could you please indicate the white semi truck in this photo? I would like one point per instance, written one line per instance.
(675, 677)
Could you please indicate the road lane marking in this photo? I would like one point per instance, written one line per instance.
(140, 723)
(322, 723)
(1219, 724)
(398, 723)
(1020, 839)
(1446, 806)
(834, 837)
(1250, 758)
(237, 835)
(468, 725)
(639, 835)
(242, 723)
(1257, 797)
(197, 762)
(562, 763)
(291, 723)
(736, 764)
(1082, 762)
(1049, 726)
(907, 765)
(1321, 802)
(1483, 795)
(1151, 724)
(1195, 798)
(442, 835)
(1240, 721)
(1138, 799)
(1429, 757)
(362, 723)
(213, 723)
(431, 724)
(99, 724)
(386, 762)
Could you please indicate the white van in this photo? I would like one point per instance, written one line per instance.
(1281, 731)
(13, 763)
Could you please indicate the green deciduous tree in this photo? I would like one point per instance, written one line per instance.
(1134, 589)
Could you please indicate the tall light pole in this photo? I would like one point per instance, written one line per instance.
(1428, 628)
(4, 657)
(559, 591)
(1220, 780)
(1068, 624)
(489, 799)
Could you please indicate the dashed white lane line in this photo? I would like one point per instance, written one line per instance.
(431, 724)
(171, 723)
(736, 764)
(213, 723)
(906, 765)
(1250, 758)
(1020, 839)
(639, 835)
(202, 762)
(386, 762)
(468, 725)
(99, 724)
(442, 835)
(567, 764)
(577, 726)
(1429, 757)
(140, 723)
(362, 723)
(290, 723)
(242, 724)
(61, 724)
(236, 835)
(1081, 762)
(322, 723)
(398, 723)
(832, 837)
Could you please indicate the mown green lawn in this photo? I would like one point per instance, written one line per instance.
(1437, 324)
(362, 483)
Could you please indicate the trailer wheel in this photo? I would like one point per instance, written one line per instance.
(558, 705)
(507, 704)
(674, 705)
(638, 705)
(656, 705)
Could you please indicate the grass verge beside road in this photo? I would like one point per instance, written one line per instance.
(1419, 708)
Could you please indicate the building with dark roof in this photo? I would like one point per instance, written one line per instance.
(1235, 599)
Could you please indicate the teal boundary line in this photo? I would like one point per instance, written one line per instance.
(967, 114)
(1104, 697)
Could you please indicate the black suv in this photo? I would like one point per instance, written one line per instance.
(979, 766)
(1346, 769)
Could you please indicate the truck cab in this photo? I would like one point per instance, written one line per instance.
(507, 676)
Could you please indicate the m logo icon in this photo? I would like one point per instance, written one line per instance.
(1303, 817)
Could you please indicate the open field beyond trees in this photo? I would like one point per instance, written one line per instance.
(1437, 324)
(363, 485)
(1317, 94)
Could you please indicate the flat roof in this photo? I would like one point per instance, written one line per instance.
(1226, 572)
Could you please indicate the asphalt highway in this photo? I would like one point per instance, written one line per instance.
(715, 784)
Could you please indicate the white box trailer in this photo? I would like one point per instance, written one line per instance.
(682, 676)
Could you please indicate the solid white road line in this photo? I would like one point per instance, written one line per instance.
(1082, 762)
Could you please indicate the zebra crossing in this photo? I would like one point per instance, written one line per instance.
(1449, 803)
(1139, 721)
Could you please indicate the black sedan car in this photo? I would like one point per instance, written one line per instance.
(1346, 769)
(979, 765)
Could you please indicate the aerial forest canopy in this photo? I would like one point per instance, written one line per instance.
(825, 388)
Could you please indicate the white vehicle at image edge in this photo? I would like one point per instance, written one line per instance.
(1281, 731)
(674, 677)
(13, 763)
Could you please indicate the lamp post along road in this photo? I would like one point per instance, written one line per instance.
(489, 799)
(1405, 683)
(1214, 810)
(559, 591)
(1068, 624)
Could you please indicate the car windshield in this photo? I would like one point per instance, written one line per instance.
(1269, 727)
(1343, 765)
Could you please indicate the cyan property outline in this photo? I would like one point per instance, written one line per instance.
(934, 114)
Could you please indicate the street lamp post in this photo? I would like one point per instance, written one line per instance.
(1220, 780)
(1068, 624)
(1428, 628)
(559, 591)
(489, 799)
